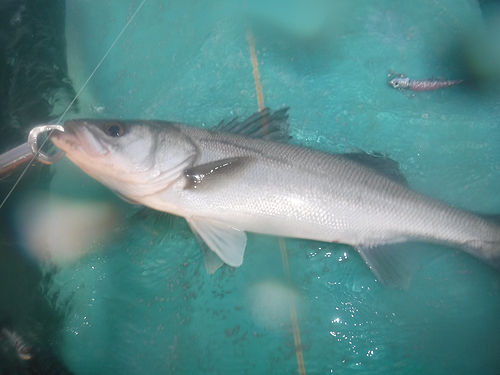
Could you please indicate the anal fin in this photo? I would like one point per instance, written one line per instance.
(393, 264)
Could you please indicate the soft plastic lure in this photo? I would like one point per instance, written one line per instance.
(402, 82)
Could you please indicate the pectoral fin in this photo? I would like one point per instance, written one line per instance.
(227, 242)
(213, 171)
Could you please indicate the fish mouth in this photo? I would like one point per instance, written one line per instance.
(78, 137)
(65, 138)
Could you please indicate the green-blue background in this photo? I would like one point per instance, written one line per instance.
(143, 302)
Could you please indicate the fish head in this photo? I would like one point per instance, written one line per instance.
(133, 158)
(400, 82)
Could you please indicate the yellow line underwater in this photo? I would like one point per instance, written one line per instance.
(256, 74)
(284, 256)
(293, 312)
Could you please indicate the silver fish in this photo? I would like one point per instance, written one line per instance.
(403, 82)
(243, 177)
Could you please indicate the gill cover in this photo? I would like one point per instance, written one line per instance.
(133, 158)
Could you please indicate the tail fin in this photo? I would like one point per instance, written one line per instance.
(487, 251)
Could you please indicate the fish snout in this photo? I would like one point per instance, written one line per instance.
(71, 126)
(69, 131)
(78, 137)
(61, 137)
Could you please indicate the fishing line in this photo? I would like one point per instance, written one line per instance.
(102, 60)
(72, 102)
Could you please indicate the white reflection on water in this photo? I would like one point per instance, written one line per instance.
(271, 301)
(61, 230)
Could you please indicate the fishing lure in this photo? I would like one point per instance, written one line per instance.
(401, 82)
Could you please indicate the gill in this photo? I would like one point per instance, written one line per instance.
(58, 122)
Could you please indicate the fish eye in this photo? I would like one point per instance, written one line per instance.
(114, 129)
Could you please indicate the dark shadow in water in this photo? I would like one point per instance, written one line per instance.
(34, 89)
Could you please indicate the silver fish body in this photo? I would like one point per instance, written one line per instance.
(431, 84)
(225, 184)
(403, 82)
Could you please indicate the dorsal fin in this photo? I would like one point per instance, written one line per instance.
(265, 124)
(381, 163)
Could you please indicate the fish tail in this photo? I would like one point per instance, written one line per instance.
(487, 250)
(489, 253)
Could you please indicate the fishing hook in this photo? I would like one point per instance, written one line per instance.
(29, 151)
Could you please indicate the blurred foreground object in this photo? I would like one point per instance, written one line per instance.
(19, 358)
(29, 151)
(61, 230)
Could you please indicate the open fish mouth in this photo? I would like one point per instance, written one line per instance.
(78, 139)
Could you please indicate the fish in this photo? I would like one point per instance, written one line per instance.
(246, 176)
(403, 82)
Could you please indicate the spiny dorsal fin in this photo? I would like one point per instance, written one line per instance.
(265, 124)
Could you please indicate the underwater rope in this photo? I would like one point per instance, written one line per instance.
(284, 256)
(293, 312)
(256, 74)
(102, 60)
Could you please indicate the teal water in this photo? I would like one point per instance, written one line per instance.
(141, 302)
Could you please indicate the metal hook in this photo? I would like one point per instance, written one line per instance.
(32, 141)
(28, 151)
